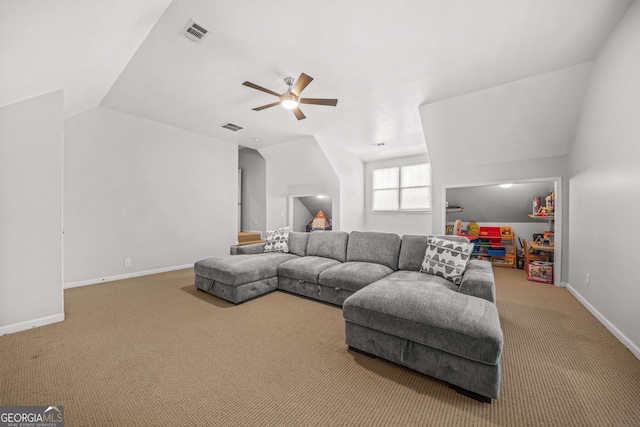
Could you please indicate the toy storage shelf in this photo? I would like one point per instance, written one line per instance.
(495, 244)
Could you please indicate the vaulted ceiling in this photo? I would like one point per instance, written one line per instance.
(381, 59)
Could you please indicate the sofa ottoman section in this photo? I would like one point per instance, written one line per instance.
(237, 278)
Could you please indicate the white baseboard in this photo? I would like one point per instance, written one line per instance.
(125, 276)
(23, 326)
(610, 326)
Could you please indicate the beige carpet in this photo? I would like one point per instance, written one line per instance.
(153, 351)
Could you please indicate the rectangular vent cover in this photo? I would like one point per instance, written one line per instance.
(232, 127)
(194, 31)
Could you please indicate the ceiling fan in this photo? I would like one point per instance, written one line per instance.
(291, 98)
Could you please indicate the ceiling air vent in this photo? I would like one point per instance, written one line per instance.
(194, 31)
(232, 127)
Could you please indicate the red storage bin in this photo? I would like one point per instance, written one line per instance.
(490, 232)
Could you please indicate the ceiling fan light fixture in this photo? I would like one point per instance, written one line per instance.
(291, 98)
(289, 101)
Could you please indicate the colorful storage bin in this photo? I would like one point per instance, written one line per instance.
(540, 271)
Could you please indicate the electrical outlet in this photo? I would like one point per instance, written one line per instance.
(587, 279)
(127, 262)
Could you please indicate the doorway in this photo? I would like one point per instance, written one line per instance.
(303, 208)
(491, 205)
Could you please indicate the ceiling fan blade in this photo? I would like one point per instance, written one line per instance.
(266, 106)
(319, 101)
(255, 86)
(302, 82)
(299, 114)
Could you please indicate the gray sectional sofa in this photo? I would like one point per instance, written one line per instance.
(391, 310)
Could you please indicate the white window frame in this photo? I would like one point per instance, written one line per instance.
(399, 188)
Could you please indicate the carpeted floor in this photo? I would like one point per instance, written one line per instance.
(153, 351)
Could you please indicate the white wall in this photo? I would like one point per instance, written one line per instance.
(516, 132)
(31, 140)
(605, 186)
(254, 190)
(522, 120)
(492, 203)
(396, 222)
(301, 215)
(350, 171)
(140, 190)
(298, 168)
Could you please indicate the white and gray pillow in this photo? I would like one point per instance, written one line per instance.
(446, 258)
(277, 240)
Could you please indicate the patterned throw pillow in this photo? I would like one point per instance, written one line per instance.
(446, 258)
(277, 240)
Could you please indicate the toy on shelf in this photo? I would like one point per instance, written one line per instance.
(536, 205)
(457, 227)
(547, 209)
(474, 229)
(548, 201)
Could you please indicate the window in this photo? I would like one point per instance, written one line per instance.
(402, 188)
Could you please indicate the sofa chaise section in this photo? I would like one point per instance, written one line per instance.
(430, 324)
(248, 272)
(237, 278)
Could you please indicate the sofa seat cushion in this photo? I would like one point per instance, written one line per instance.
(306, 268)
(425, 279)
(353, 276)
(240, 269)
(433, 316)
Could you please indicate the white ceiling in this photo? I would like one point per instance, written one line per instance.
(381, 59)
(77, 45)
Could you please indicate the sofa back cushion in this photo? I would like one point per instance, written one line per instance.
(371, 246)
(413, 249)
(328, 244)
(298, 243)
